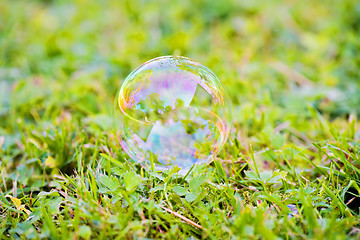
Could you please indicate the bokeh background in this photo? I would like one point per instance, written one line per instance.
(286, 65)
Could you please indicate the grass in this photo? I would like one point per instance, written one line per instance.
(289, 170)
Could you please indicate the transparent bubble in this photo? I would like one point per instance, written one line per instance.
(172, 111)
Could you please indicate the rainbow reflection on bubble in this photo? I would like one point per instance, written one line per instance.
(172, 111)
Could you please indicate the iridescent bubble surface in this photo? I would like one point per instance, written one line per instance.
(172, 111)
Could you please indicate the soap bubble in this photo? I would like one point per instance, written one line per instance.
(172, 111)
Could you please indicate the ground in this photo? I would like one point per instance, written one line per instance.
(289, 170)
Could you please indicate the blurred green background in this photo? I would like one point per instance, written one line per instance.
(66, 59)
(61, 62)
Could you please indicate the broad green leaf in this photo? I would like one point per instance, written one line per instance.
(196, 182)
(190, 197)
(266, 175)
(132, 180)
(110, 183)
(180, 191)
(52, 193)
(252, 176)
